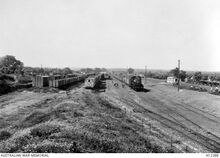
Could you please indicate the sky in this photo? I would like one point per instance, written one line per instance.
(112, 33)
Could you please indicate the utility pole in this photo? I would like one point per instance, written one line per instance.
(127, 72)
(178, 75)
(145, 74)
(41, 70)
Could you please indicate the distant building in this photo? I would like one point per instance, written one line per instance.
(141, 75)
(172, 79)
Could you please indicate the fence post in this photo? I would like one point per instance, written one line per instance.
(186, 148)
(171, 140)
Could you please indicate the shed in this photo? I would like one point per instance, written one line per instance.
(172, 79)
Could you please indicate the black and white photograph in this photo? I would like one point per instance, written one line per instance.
(109, 76)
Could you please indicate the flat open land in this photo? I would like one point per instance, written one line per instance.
(110, 119)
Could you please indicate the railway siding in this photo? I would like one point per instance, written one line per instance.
(173, 114)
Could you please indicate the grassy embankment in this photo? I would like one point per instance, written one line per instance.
(80, 122)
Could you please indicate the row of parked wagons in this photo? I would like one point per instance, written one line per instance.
(57, 81)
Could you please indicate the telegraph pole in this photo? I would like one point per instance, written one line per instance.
(41, 70)
(145, 74)
(178, 75)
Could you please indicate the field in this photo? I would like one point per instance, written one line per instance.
(110, 119)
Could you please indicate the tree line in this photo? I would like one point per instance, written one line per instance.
(183, 75)
(10, 65)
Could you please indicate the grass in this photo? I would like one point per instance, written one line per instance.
(94, 125)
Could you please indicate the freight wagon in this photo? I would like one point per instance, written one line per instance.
(40, 81)
(57, 81)
(68, 81)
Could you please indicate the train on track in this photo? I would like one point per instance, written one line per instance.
(57, 81)
(133, 81)
(93, 81)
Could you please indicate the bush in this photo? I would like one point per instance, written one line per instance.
(6, 77)
(44, 130)
(100, 144)
(24, 79)
(4, 135)
(78, 114)
(5, 88)
(47, 147)
(16, 144)
(34, 118)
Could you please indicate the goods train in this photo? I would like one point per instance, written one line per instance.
(57, 81)
(133, 81)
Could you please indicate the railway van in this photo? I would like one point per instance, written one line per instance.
(92, 81)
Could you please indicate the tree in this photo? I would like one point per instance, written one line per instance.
(9, 64)
(86, 70)
(67, 70)
(130, 70)
(212, 77)
(175, 73)
(182, 75)
(217, 78)
(205, 77)
(103, 69)
(197, 76)
(97, 70)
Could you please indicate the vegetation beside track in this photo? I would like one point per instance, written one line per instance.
(81, 121)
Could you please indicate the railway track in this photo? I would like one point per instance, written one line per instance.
(175, 112)
(209, 143)
(199, 114)
(189, 107)
(196, 133)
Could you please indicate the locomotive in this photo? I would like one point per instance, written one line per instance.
(133, 81)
